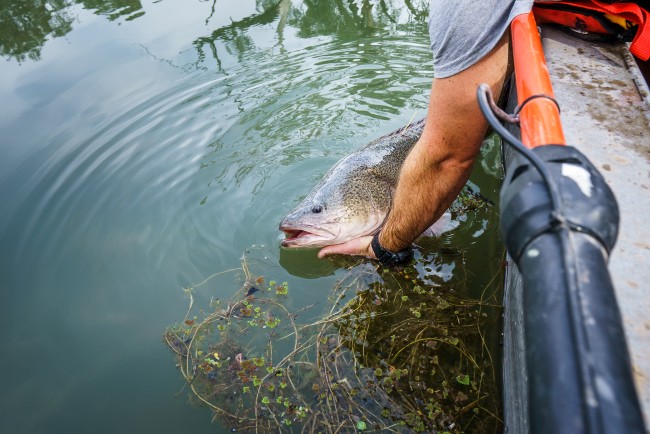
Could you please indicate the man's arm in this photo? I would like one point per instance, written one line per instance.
(441, 161)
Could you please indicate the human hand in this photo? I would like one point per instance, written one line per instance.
(355, 247)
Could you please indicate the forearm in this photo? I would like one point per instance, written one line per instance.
(441, 162)
(428, 185)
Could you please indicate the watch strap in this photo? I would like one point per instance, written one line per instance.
(388, 258)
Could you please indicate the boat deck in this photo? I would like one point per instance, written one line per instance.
(605, 111)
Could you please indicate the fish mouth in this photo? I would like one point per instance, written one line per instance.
(306, 236)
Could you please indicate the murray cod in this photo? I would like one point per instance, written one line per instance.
(354, 197)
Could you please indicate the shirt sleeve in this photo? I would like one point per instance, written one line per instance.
(464, 31)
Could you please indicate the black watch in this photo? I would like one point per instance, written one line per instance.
(388, 258)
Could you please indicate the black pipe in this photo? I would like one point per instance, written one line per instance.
(560, 224)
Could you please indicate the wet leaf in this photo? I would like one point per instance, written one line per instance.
(282, 289)
(463, 379)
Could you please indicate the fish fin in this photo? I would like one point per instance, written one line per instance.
(442, 225)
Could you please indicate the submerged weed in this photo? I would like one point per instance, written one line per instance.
(400, 355)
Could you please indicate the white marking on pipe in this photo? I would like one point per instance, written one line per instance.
(580, 176)
(533, 253)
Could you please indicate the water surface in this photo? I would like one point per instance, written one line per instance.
(147, 145)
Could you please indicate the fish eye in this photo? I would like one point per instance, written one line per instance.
(316, 209)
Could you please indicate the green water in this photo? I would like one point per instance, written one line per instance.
(147, 145)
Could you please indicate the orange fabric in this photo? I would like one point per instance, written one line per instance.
(573, 19)
(632, 12)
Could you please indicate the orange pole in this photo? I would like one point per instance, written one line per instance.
(540, 117)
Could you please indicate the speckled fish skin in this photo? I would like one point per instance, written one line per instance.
(354, 197)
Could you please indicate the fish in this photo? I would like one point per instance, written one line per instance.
(353, 198)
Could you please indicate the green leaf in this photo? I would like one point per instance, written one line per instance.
(463, 379)
(361, 425)
(282, 289)
(265, 400)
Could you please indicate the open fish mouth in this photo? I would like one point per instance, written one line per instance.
(305, 237)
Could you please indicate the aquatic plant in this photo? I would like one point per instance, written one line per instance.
(398, 356)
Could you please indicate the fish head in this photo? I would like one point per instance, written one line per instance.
(332, 216)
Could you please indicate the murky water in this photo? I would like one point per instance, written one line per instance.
(147, 145)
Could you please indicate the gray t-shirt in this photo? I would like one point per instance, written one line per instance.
(464, 31)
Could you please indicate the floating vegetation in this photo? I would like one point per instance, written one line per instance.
(397, 356)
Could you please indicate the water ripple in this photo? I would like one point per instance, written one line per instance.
(219, 146)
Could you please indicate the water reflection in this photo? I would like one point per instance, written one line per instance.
(25, 26)
(310, 19)
(305, 264)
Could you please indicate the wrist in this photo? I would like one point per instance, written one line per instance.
(388, 257)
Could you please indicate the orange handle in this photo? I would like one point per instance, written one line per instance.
(540, 117)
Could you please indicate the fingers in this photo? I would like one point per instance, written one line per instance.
(338, 249)
(355, 247)
(327, 251)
